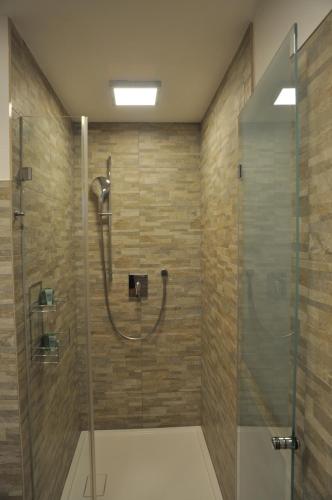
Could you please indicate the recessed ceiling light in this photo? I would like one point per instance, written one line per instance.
(287, 97)
(127, 93)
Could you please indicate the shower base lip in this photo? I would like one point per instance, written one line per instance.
(172, 453)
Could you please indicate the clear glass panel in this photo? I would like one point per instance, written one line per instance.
(268, 280)
(50, 249)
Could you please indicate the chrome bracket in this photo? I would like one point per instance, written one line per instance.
(25, 174)
(18, 213)
(285, 443)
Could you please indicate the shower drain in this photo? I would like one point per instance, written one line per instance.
(101, 480)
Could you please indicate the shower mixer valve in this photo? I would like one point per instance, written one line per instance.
(138, 286)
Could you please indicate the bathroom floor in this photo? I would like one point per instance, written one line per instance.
(145, 464)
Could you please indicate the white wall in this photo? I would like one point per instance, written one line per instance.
(4, 100)
(273, 20)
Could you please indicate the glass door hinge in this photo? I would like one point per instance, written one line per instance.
(25, 174)
(285, 443)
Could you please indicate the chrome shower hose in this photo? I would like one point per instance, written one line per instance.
(107, 302)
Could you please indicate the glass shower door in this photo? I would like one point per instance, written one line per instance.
(50, 198)
(268, 285)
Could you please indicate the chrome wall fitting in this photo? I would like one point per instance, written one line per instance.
(285, 443)
(25, 174)
(18, 213)
(138, 286)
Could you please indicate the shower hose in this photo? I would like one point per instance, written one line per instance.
(164, 275)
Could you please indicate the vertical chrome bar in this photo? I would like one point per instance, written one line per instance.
(85, 191)
(109, 223)
(27, 343)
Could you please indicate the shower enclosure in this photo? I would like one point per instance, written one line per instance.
(269, 277)
(81, 381)
(94, 243)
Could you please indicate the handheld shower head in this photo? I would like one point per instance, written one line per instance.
(101, 186)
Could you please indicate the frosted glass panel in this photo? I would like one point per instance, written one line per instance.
(268, 280)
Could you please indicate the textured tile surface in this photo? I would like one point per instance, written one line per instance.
(48, 255)
(220, 154)
(314, 390)
(156, 225)
(11, 481)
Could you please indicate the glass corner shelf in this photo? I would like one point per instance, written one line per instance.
(37, 308)
(52, 355)
(46, 355)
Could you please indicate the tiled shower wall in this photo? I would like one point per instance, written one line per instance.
(156, 225)
(314, 388)
(220, 155)
(48, 255)
(11, 483)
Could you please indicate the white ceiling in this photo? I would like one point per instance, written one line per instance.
(82, 44)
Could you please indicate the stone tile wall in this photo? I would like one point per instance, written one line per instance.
(156, 224)
(314, 388)
(11, 480)
(48, 254)
(219, 178)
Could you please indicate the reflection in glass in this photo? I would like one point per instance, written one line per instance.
(268, 277)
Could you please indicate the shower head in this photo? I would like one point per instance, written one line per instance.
(101, 186)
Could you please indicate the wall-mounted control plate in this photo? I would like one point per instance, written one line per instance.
(138, 286)
(25, 174)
